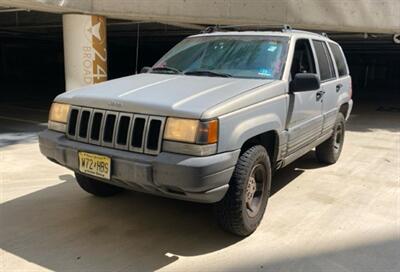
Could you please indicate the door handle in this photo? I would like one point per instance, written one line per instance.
(319, 95)
(339, 87)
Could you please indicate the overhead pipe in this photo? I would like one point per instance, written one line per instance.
(13, 10)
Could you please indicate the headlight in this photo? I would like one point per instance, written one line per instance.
(59, 112)
(181, 130)
(58, 117)
(191, 137)
(191, 131)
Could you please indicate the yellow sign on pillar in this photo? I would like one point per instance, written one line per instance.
(99, 42)
(85, 50)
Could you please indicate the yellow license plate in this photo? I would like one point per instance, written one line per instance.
(95, 165)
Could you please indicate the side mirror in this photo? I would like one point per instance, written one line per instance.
(145, 69)
(303, 82)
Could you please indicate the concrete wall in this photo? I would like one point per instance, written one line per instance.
(374, 16)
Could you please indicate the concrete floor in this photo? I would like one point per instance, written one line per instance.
(344, 217)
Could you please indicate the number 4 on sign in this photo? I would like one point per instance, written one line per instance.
(100, 72)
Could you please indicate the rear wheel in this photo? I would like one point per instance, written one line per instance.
(242, 208)
(96, 187)
(329, 151)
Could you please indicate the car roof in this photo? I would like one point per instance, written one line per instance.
(286, 33)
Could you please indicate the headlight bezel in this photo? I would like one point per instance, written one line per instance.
(189, 149)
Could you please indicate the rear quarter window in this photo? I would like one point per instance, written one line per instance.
(339, 59)
(325, 64)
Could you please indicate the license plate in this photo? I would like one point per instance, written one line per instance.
(95, 165)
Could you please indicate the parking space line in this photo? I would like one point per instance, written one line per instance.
(22, 120)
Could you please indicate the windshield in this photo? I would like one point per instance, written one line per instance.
(237, 56)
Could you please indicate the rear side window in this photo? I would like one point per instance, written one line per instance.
(339, 59)
(324, 60)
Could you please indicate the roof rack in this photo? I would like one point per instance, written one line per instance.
(287, 28)
(258, 27)
(311, 32)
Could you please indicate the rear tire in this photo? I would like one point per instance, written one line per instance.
(96, 187)
(329, 151)
(242, 208)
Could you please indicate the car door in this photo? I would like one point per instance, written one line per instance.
(343, 81)
(330, 85)
(305, 108)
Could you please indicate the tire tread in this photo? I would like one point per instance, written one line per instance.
(325, 151)
(229, 210)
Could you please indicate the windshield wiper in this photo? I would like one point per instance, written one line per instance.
(168, 69)
(207, 73)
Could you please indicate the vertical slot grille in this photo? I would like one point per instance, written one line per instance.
(109, 128)
(153, 134)
(120, 130)
(73, 118)
(96, 126)
(138, 132)
(84, 124)
(123, 129)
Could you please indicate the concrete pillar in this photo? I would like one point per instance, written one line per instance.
(85, 50)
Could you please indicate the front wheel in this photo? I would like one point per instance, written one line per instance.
(329, 151)
(242, 208)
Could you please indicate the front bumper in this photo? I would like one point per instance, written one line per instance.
(199, 179)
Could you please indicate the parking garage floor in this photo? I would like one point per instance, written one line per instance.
(344, 217)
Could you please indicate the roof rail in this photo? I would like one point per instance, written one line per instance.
(258, 27)
(310, 32)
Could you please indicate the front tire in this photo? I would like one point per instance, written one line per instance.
(242, 208)
(96, 187)
(329, 151)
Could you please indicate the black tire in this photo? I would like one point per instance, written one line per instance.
(236, 212)
(329, 151)
(96, 187)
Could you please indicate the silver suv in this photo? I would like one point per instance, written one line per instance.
(209, 122)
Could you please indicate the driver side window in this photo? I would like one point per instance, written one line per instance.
(303, 59)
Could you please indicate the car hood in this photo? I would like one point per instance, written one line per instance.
(160, 94)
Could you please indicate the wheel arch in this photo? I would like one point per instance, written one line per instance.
(344, 108)
(269, 140)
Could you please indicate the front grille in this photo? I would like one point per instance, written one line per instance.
(154, 134)
(121, 130)
(96, 126)
(84, 124)
(73, 119)
(109, 128)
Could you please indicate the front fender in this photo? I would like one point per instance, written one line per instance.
(239, 126)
